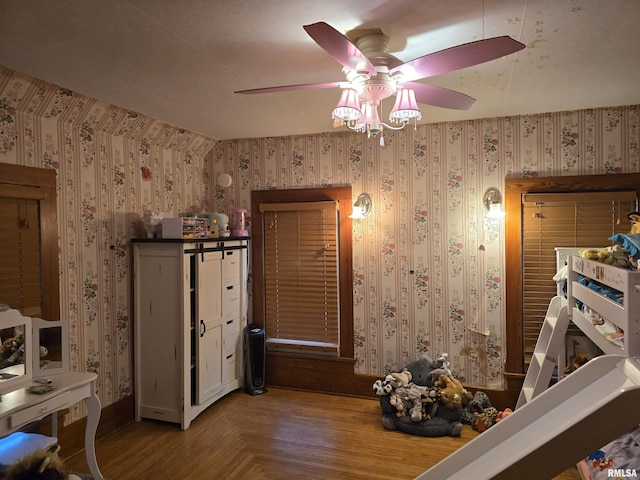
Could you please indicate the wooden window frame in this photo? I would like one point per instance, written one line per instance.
(338, 194)
(305, 272)
(569, 220)
(44, 179)
(514, 189)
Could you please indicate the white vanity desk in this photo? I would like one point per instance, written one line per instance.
(40, 351)
(19, 407)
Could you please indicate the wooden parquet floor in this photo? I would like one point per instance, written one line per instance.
(280, 435)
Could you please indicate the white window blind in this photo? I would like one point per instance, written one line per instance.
(301, 277)
(562, 220)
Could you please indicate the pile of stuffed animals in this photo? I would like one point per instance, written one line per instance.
(614, 255)
(426, 399)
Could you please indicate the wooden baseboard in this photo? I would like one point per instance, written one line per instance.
(336, 376)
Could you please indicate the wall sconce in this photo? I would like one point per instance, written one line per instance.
(362, 207)
(493, 203)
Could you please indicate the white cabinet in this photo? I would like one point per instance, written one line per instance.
(190, 308)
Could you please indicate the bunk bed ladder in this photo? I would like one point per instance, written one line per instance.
(548, 348)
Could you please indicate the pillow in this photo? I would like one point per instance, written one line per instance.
(630, 241)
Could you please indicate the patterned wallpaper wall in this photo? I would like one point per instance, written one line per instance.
(428, 266)
(112, 165)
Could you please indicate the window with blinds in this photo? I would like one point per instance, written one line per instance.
(301, 277)
(562, 220)
(20, 258)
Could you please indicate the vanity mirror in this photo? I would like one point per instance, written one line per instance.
(51, 347)
(15, 349)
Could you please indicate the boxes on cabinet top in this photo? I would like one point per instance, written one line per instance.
(185, 227)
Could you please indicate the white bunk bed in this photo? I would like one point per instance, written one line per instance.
(566, 423)
(625, 314)
(610, 316)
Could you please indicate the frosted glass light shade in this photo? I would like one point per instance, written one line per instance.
(493, 203)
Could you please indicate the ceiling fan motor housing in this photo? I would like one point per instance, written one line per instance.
(378, 88)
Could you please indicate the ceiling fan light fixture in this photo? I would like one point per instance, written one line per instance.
(373, 74)
(405, 107)
(348, 107)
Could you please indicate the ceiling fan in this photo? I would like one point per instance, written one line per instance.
(373, 74)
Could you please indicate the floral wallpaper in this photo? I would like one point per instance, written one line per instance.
(428, 265)
(112, 165)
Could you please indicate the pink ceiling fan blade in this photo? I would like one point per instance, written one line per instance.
(455, 58)
(340, 47)
(288, 88)
(440, 97)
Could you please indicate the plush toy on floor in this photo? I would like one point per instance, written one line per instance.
(401, 379)
(41, 465)
(452, 393)
(477, 405)
(423, 412)
(382, 387)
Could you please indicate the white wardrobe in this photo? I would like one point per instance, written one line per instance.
(190, 310)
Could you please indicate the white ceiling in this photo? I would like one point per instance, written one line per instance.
(180, 61)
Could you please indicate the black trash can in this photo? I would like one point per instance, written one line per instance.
(254, 359)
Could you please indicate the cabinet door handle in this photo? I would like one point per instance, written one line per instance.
(229, 322)
(203, 328)
(230, 287)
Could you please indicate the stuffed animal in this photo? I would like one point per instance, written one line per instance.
(503, 414)
(486, 419)
(399, 404)
(40, 465)
(152, 223)
(452, 393)
(442, 362)
(614, 255)
(382, 387)
(401, 379)
(634, 217)
(412, 396)
(477, 405)
(430, 402)
(576, 363)
(12, 351)
(421, 371)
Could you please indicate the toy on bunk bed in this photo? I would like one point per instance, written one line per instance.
(605, 304)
